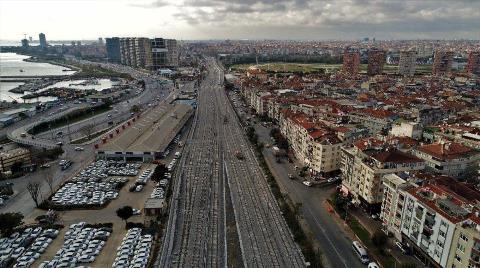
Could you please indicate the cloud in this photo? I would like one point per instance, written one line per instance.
(154, 4)
(354, 16)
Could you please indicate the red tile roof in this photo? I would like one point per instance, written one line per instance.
(450, 150)
(395, 156)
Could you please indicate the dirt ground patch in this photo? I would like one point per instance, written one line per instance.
(107, 214)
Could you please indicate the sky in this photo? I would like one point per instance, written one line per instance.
(241, 19)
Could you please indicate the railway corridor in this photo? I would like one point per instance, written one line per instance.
(218, 155)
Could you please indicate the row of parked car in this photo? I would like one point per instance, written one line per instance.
(22, 249)
(171, 165)
(144, 177)
(161, 186)
(158, 193)
(82, 245)
(134, 251)
(85, 193)
(101, 169)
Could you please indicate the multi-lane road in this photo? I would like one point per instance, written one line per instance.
(217, 157)
(21, 201)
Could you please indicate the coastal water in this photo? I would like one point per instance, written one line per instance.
(11, 64)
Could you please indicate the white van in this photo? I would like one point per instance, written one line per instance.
(361, 252)
(373, 265)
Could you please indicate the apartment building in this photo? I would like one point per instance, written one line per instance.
(376, 61)
(316, 147)
(442, 63)
(407, 129)
(11, 157)
(143, 57)
(125, 57)
(351, 62)
(407, 63)
(172, 53)
(473, 63)
(449, 158)
(453, 207)
(435, 216)
(164, 53)
(427, 115)
(375, 120)
(465, 246)
(152, 54)
(113, 49)
(364, 165)
(394, 191)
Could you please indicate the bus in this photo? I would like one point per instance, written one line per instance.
(360, 251)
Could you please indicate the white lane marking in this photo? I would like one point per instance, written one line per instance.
(328, 238)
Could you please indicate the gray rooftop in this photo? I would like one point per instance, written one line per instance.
(153, 131)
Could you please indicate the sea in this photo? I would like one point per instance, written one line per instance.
(12, 64)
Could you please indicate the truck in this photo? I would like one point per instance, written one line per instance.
(278, 152)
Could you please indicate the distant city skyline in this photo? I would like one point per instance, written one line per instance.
(240, 19)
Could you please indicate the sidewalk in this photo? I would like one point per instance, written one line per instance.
(371, 226)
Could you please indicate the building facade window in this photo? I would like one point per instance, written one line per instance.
(463, 237)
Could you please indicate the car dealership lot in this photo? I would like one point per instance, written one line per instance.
(23, 248)
(134, 251)
(106, 214)
(95, 185)
(82, 244)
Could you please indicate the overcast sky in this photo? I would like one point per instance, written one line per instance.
(241, 19)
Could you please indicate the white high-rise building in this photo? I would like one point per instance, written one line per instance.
(407, 63)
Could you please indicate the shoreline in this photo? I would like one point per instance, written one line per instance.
(35, 59)
(42, 81)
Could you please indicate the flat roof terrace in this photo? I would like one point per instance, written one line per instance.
(152, 132)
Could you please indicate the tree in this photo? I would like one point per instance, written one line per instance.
(87, 130)
(159, 172)
(379, 239)
(34, 189)
(274, 132)
(49, 179)
(282, 143)
(124, 213)
(10, 220)
(135, 109)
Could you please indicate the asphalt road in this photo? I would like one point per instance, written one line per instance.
(119, 113)
(335, 244)
(21, 201)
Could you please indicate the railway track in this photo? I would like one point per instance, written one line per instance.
(196, 231)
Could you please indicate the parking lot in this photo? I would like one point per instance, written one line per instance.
(94, 186)
(92, 196)
(134, 250)
(82, 244)
(107, 214)
(24, 248)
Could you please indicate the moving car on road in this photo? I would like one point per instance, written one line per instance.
(307, 183)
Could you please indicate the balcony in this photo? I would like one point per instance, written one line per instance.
(476, 247)
(418, 213)
(475, 259)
